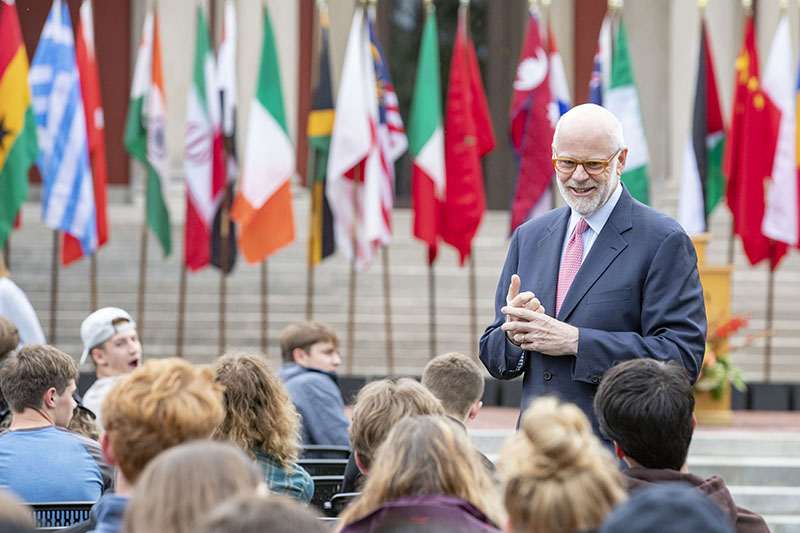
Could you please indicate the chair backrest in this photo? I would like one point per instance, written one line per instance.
(319, 451)
(339, 502)
(323, 467)
(324, 489)
(56, 515)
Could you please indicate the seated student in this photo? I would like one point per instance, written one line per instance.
(260, 419)
(379, 406)
(310, 352)
(647, 408)
(260, 514)
(40, 461)
(557, 475)
(182, 483)
(426, 477)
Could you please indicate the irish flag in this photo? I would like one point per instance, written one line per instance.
(622, 99)
(146, 128)
(18, 142)
(263, 204)
(426, 138)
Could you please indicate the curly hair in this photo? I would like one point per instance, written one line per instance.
(426, 455)
(259, 414)
(157, 406)
(557, 476)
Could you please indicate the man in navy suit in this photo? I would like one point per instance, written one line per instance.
(636, 292)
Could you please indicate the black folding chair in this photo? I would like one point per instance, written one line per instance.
(323, 467)
(52, 516)
(325, 487)
(319, 451)
(339, 503)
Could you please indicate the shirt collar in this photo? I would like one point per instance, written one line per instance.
(599, 218)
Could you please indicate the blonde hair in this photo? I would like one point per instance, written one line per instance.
(183, 483)
(426, 455)
(456, 380)
(557, 476)
(157, 406)
(380, 405)
(258, 411)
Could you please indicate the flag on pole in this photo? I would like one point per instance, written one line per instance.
(227, 88)
(531, 124)
(202, 153)
(750, 153)
(426, 139)
(601, 64)
(468, 136)
(702, 182)
(95, 130)
(320, 126)
(559, 89)
(780, 221)
(18, 142)
(354, 161)
(263, 204)
(67, 192)
(146, 128)
(622, 99)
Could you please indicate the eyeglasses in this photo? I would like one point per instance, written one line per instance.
(593, 167)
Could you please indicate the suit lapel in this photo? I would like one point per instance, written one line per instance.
(548, 256)
(608, 245)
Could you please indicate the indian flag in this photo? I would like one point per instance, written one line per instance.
(18, 142)
(263, 204)
(146, 128)
(426, 138)
(622, 99)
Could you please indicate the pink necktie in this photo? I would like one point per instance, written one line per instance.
(571, 262)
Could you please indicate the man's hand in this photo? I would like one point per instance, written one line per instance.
(538, 332)
(525, 300)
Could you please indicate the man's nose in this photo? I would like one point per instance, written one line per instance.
(336, 359)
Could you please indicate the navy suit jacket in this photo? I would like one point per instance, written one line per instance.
(637, 294)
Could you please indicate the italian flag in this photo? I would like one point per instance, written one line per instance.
(146, 128)
(622, 99)
(426, 139)
(18, 142)
(263, 204)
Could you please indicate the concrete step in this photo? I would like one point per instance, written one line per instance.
(760, 471)
(768, 500)
(745, 444)
(783, 523)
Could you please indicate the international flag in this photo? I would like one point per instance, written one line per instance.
(18, 142)
(426, 138)
(202, 153)
(146, 128)
(321, 241)
(531, 123)
(263, 204)
(702, 182)
(468, 136)
(95, 130)
(353, 185)
(750, 153)
(559, 89)
(601, 64)
(67, 192)
(780, 221)
(622, 99)
(227, 87)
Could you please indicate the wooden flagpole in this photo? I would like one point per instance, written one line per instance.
(473, 307)
(387, 311)
(7, 251)
(770, 308)
(431, 308)
(54, 289)
(142, 271)
(264, 307)
(181, 311)
(93, 281)
(224, 235)
(351, 300)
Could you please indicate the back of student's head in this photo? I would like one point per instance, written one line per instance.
(646, 406)
(426, 455)
(456, 380)
(9, 337)
(184, 482)
(258, 514)
(380, 405)
(557, 476)
(303, 335)
(157, 406)
(258, 411)
(14, 515)
(26, 375)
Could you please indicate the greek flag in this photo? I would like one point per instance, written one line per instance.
(67, 192)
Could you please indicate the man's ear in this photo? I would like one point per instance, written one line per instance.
(299, 355)
(50, 397)
(622, 158)
(474, 409)
(618, 451)
(359, 464)
(98, 356)
(108, 450)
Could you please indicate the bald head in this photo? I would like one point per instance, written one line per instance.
(595, 124)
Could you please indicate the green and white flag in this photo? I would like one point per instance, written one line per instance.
(146, 128)
(622, 99)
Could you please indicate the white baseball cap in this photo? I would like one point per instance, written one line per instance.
(98, 327)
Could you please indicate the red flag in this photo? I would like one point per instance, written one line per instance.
(95, 130)
(531, 127)
(749, 154)
(468, 136)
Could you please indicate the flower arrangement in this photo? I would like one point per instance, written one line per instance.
(718, 367)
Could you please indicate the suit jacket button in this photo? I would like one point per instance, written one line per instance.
(547, 376)
(595, 379)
